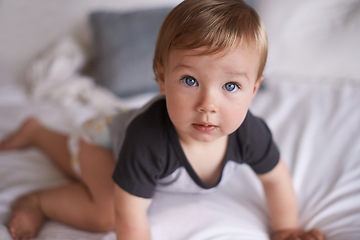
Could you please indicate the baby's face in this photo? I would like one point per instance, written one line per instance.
(208, 96)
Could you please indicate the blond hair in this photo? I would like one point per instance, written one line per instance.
(216, 24)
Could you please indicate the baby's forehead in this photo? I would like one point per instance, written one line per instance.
(241, 58)
(244, 47)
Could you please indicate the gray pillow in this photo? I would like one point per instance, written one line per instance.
(124, 44)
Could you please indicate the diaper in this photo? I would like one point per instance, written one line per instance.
(94, 131)
(103, 131)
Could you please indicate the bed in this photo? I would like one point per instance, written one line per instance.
(310, 99)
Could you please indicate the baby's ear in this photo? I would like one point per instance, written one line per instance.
(160, 77)
(258, 84)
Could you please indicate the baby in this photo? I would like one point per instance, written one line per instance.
(208, 62)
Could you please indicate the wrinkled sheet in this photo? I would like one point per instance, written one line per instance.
(315, 123)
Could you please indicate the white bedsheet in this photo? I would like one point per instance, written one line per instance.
(316, 126)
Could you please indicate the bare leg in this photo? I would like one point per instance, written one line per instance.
(91, 202)
(33, 134)
(22, 138)
(87, 204)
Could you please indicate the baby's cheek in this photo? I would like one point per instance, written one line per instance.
(233, 121)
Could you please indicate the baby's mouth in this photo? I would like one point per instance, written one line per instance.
(204, 127)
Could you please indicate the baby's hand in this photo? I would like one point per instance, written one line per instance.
(297, 234)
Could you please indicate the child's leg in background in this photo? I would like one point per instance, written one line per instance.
(33, 134)
(87, 203)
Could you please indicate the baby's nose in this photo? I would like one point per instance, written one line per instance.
(207, 104)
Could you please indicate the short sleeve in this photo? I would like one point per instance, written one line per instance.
(141, 158)
(259, 149)
(136, 169)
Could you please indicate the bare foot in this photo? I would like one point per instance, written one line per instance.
(27, 218)
(22, 137)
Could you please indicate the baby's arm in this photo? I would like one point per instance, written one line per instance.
(282, 204)
(280, 197)
(131, 216)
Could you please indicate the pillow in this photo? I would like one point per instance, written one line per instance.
(124, 44)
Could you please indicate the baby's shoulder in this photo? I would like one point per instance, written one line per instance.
(149, 120)
(253, 126)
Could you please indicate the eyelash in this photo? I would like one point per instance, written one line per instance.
(185, 79)
(236, 86)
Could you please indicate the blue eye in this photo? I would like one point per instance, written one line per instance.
(189, 81)
(231, 87)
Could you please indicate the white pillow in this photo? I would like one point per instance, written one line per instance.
(312, 38)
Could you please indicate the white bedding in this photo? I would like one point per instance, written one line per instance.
(313, 113)
(315, 125)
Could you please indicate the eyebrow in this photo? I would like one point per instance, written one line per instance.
(232, 73)
(237, 73)
(182, 66)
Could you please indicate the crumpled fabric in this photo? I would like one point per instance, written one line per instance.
(55, 76)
